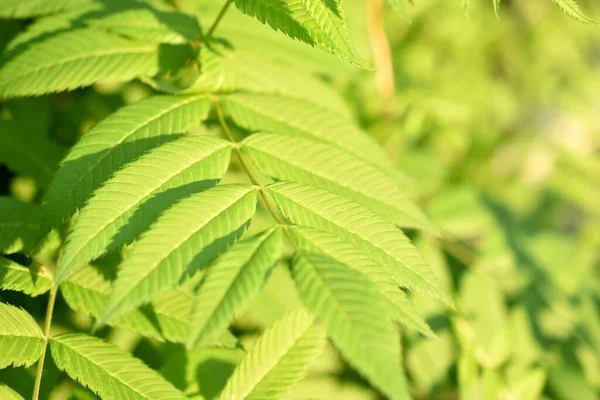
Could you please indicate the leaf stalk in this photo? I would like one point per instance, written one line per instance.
(47, 325)
(218, 19)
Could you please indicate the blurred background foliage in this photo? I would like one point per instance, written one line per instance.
(496, 124)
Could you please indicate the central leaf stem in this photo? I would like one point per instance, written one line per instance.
(252, 178)
(47, 325)
(211, 30)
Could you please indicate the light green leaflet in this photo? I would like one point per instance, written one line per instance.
(357, 318)
(183, 240)
(231, 283)
(225, 70)
(7, 393)
(278, 360)
(338, 249)
(34, 8)
(571, 8)
(496, 4)
(109, 371)
(115, 141)
(287, 115)
(31, 281)
(19, 223)
(306, 205)
(21, 339)
(166, 318)
(257, 74)
(48, 25)
(148, 22)
(319, 23)
(76, 58)
(134, 196)
(298, 159)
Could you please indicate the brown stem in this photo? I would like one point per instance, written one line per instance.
(384, 77)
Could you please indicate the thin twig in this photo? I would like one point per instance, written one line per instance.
(218, 19)
(384, 77)
(252, 178)
(47, 325)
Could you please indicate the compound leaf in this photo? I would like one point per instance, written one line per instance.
(131, 199)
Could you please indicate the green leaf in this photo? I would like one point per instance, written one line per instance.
(231, 283)
(147, 22)
(465, 8)
(7, 393)
(286, 115)
(47, 26)
(221, 69)
(571, 8)
(134, 196)
(109, 371)
(357, 318)
(338, 249)
(26, 148)
(257, 74)
(166, 318)
(115, 141)
(319, 164)
(382, 241)
(73, 59)
(19, 223)
(184, 239)
(31, 281)
(319, 23)
(21, 339)
(278, 360)
(496, 4)
(35, 8)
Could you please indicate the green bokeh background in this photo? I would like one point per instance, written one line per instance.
(497, 124)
